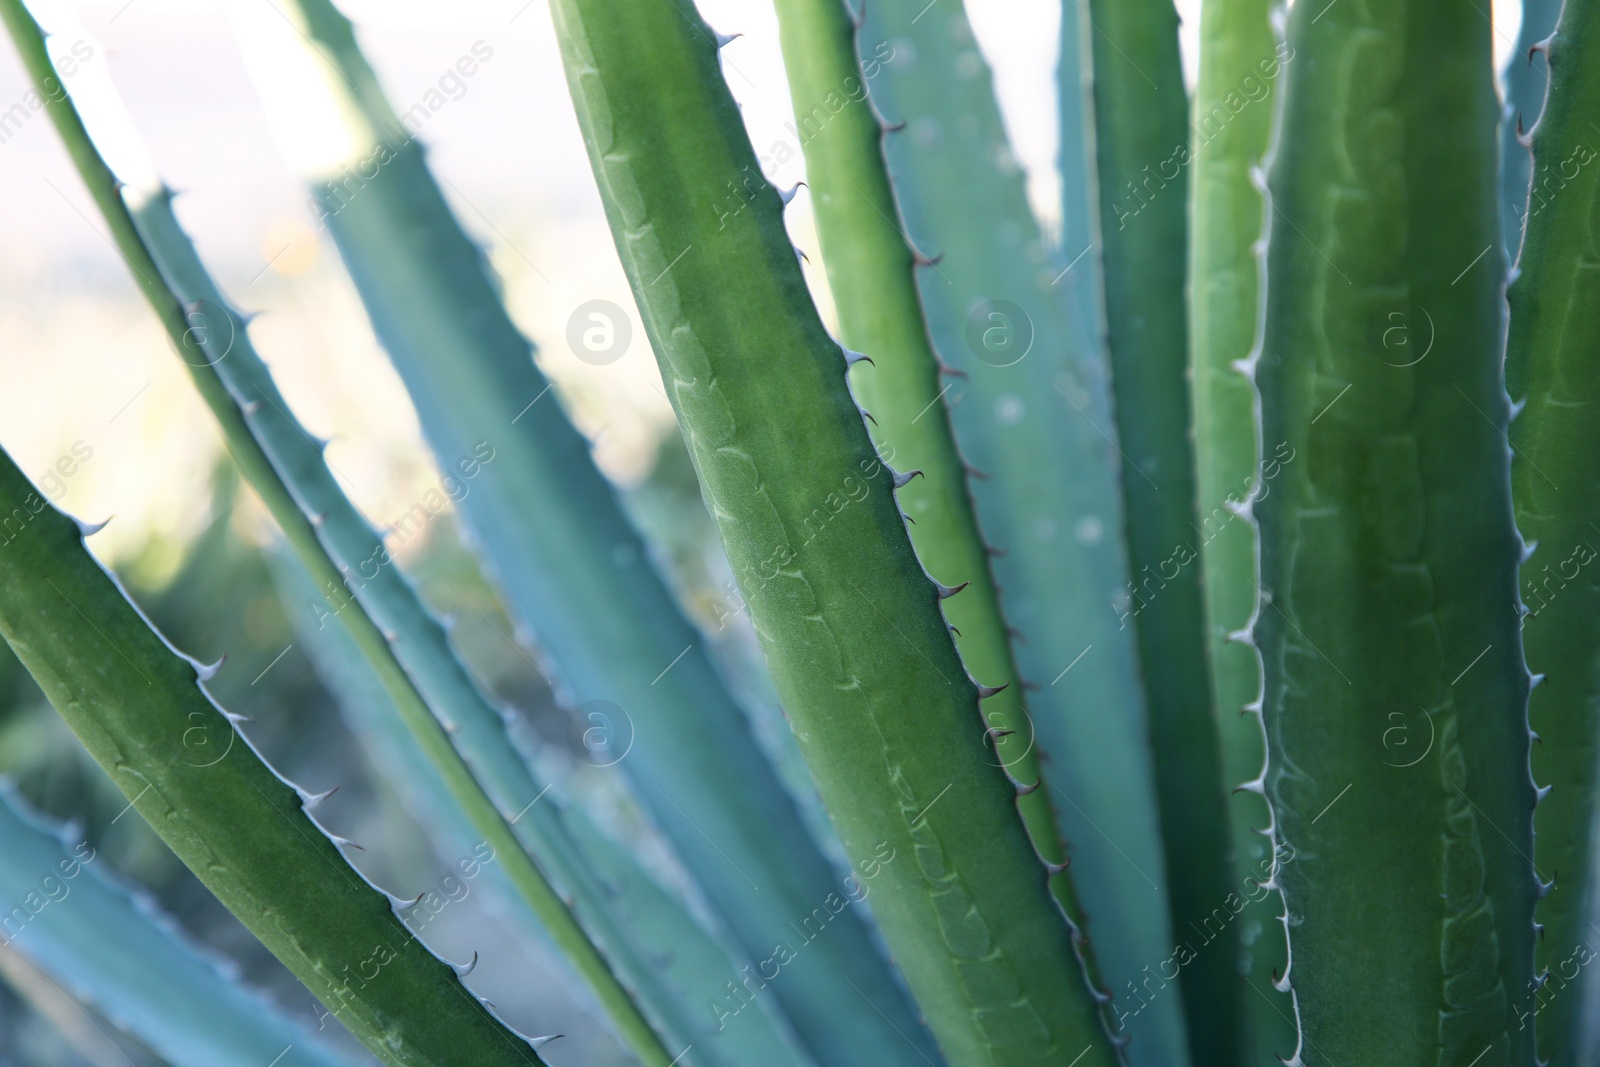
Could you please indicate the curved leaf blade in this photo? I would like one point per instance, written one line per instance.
(849, 621)
(138, 708)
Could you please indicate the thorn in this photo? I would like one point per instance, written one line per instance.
(319, 518)
(463, 970)
(1524, 138)
(343, 841)
(235, 718)
(953, 629)
(994, 734)
(725, 39)
(207, 671)
(1028, 790)
(851, 358)
(974, 472)
(987, 691)
(788, 195)
(948, 591)
(250, 407)
(923, 261)
(865, 414)
(400, 907)
(89, 529)
(892, 127)
(310, 801)
(541, 1042)
(1540, 794)
(1054, 869)
(802, 254)
(1534, 681)
(858, 17)
(902, 480)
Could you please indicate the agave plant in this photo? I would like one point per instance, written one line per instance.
(1157, 604)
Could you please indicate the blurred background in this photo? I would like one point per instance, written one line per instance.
(86, 373)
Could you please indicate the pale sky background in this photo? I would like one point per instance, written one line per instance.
(82, 360)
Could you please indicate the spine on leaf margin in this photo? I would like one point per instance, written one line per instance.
(849, 621)
(135, 704)
(1555, 436)
(1227, 261)
(565, 556)
(1388, 552)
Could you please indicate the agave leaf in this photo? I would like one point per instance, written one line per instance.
(1550, 372)
(1388, 552)
(1141, 145)
(1033, 403)
(576, 573)
(884, 712)
(1238, 50)
(119, 954)
(137, 706)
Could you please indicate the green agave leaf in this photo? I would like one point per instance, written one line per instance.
(1242, 72)
(1141, 144)
(1550, 372)
(884, 712)
(138, 708)
(116, 951)
(579, 577)
(1033, 404)
(1388, 554)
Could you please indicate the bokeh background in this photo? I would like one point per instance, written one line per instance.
(86, 373)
